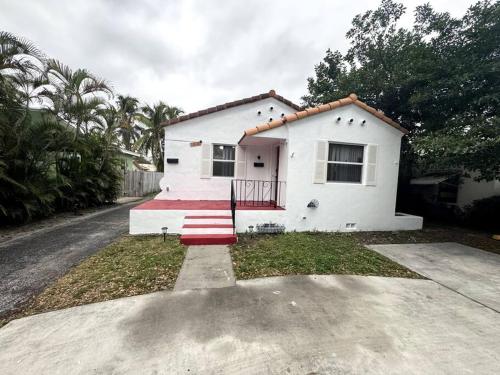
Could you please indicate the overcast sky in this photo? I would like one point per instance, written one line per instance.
(197, 53)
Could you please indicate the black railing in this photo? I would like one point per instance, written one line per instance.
(233, 206)
(259, 193)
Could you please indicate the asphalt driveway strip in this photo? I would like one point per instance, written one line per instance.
(466, 270)
(334, 324)
(30, 263)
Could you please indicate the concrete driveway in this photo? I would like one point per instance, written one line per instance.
(469, 271)
(297, 325)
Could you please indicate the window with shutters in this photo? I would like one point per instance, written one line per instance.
(345, 163)
(223, 159)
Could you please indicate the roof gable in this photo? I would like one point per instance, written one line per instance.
(270, 94)
(351, 99)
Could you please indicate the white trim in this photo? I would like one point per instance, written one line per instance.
(362, 164)
(222, 160)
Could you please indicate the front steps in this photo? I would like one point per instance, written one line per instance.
(208, 229)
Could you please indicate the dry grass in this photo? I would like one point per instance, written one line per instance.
(130, 266)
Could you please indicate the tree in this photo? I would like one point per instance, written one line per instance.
(152, 135)
(128, 108)
(76, 95)
(45, 163)
(440, 80)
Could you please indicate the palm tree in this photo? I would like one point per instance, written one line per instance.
(21, 74)
(76, 96)
(152, 135)
(109, 124)
(128, 108)
(17, 54)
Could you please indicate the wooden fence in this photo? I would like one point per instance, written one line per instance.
(140, 183)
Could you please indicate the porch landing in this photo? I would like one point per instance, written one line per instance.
(196, 218)
(158, 204)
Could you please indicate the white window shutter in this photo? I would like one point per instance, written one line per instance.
(241, 163)
(206, 160)
(320, 162)
(371, 165)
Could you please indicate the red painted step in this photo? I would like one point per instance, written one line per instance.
(207, 226)
(208, 239)
(207, 217)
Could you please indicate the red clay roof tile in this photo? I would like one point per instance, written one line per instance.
(270, 94)
(351, 99)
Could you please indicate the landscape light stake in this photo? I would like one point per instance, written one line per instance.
(164, 231)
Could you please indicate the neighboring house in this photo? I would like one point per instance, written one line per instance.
(452, 188)
(133, 161)
(330, 168)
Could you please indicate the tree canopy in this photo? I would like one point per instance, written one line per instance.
(440, 79)
(62, 155)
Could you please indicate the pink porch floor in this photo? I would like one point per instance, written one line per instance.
(157, 204)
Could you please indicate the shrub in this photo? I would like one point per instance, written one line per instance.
(484, 214)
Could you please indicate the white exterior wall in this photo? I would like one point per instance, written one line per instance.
(151, 221)
(370, 207)
(225, 127)
(470, 190)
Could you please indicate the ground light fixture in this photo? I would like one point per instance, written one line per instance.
(164, 231)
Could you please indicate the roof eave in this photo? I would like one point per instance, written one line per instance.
(351, 99)
(235, 103)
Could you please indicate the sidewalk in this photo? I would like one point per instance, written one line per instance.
(208, 266)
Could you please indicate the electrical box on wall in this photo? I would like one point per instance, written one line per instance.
(172, 161)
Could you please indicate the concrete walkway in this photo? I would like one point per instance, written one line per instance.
(469, 271)
(29, 263)
(208, 266)
(284, 325)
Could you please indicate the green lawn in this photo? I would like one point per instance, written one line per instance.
(130, 266)
(309, 253)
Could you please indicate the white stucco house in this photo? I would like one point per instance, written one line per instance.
(456, 188)
(330, 168)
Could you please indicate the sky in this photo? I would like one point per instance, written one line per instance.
(194, 53)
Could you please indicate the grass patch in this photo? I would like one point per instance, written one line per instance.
(309, 253)
(130, 266)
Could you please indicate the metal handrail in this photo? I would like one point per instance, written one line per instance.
(259, 192)
(233, 206)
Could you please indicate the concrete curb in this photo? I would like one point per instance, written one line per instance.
(71, 221)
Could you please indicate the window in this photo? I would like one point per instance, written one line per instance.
(345, 163)
(223, 160)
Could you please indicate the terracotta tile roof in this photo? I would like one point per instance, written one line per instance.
(270, 94)
(351, 99)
